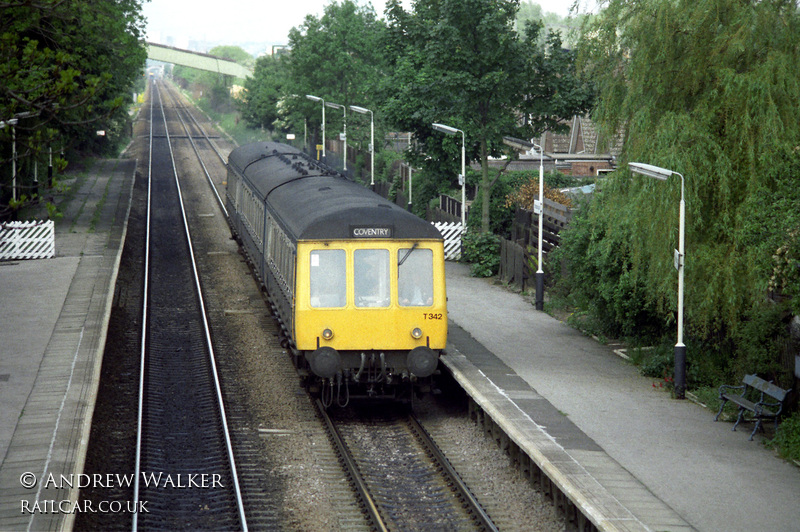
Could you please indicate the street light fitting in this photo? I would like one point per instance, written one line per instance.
(344, 133)
(318, 99)
(650, 170)
(518, 144)
(524, 145)
(363, 111)
(446, 129)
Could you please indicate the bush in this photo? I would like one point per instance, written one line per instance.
(761, 337)
(702, 365)
(483, 251)
(787, 440)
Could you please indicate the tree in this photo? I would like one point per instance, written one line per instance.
(263, 91)
(68, 67)
(709, 89)
(461, 63)
(336, 57)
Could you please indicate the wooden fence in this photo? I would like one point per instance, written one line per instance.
(525, 229)
(518, 256)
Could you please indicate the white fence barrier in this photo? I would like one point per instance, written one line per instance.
(452, 239)
(27, 240)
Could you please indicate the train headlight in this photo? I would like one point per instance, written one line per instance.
(327, 334)
(416, 333)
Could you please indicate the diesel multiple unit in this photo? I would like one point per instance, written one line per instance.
(357, 283)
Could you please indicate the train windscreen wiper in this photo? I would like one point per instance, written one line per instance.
(407, 254)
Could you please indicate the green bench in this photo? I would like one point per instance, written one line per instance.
(767, 400)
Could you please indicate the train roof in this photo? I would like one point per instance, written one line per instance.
(312, 202)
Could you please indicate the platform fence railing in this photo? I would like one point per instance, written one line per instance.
(27, 240)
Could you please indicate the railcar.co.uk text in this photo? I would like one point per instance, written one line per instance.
(152, 480)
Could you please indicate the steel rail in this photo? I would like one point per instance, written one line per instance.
(352, 469)
(142, 360)
(197, 152)
(209, 342)
(207, 331)
(474, 506)
(212, 144)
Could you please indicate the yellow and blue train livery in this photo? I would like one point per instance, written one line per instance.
(357, 283)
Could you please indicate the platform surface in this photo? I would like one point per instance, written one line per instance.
(594, 409)
(52, 335)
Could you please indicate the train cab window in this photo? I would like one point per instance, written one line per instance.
(371, 277)
(328, 283)
(415, 277)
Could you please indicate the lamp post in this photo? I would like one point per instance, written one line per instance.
(364, 111)
(680, 349)
(537, 209)
(539, 270)
(410, 188)
(410, 172)
(344, 110)
(12, 122)
(462, 177)
(49, 166)
(318, 99)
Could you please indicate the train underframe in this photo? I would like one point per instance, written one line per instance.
(369, 375)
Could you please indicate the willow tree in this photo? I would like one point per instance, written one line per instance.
(707, 88)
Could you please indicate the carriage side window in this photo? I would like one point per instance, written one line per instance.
(415, 277)
(328, 283)
(371, 277)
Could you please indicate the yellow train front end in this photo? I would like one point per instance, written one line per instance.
(370, 313)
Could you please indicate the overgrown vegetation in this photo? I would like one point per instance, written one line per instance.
(462, 64)
(212, 88)
(67, 70)
(728, 124)
(513, 189)
(482, 251)
(787, 440)
(412, 70)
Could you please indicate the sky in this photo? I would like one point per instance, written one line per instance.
(234, 22)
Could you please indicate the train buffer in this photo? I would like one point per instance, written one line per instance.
(767, 400)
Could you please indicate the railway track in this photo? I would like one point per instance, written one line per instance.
(260, 487)
(402, 478)
(194, 131)
(185, 469)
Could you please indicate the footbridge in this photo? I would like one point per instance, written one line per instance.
(200, 61)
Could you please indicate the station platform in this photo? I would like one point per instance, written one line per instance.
(52, 335)
(624, 451)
